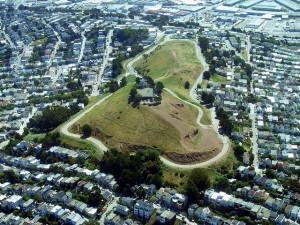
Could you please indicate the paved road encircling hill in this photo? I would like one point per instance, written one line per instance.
(214, 126)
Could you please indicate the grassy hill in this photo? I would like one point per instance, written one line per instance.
(173, 63)
(169, 126)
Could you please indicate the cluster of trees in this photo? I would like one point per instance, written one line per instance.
(9, 176)
(113, 85)
(5, 56)
(207, 98)
(51, 139)
(38, 51)
(50, 118)
(74, 86)
(142, 167)
(203, 43)
(225, 122)
(157, 20)
(94, 13)
(198, 180)
(79, 95)
(239, 152)
(238, 61)
(136, 49)
(117, 65)
(129, 37)
(7, 107)
(93, 199)
(135, 98)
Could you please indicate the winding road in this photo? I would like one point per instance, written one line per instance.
(214, 126)
(224, 139)
(65, 128)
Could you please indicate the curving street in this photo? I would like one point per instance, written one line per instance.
(224, 139)
(214, 126)
(66, 126)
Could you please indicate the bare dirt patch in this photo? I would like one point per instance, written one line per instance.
(192, 157)
(194, 139)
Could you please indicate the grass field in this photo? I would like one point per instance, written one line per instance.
(174, 63)
(218, 78)
(81, 144)
(244, 54)
(169, 126)
(32, 137)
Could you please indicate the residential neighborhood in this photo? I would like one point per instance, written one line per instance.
(60, 60)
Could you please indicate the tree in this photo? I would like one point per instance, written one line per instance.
(239, 152)
(138, 80)
(206, 75)
(207, 98)
(123, 82)
(137, 99)
(198, 180)
(187, 85)
(51, 118)
(221, 183)
(159, 87)
(132, 94)
(150, 81)
(87, 130)
(113, 86)
(11, 176)
(270, 173)
(203, 43)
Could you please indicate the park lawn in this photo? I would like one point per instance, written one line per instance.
(31, 137)
(94, 99)
(218, 78)
(206, 119)
(165, 126)
(173, 63)
(126, 126)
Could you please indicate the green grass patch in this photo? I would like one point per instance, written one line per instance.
(173, 63)
(39, 42)
(244, 54)
(81, 144)
(31, 137)
(204, 83)
(130, 126)
(218, 78)
(175, 177)
(121, 126)
(228, 163)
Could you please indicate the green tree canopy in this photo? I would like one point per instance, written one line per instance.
(87, 130)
